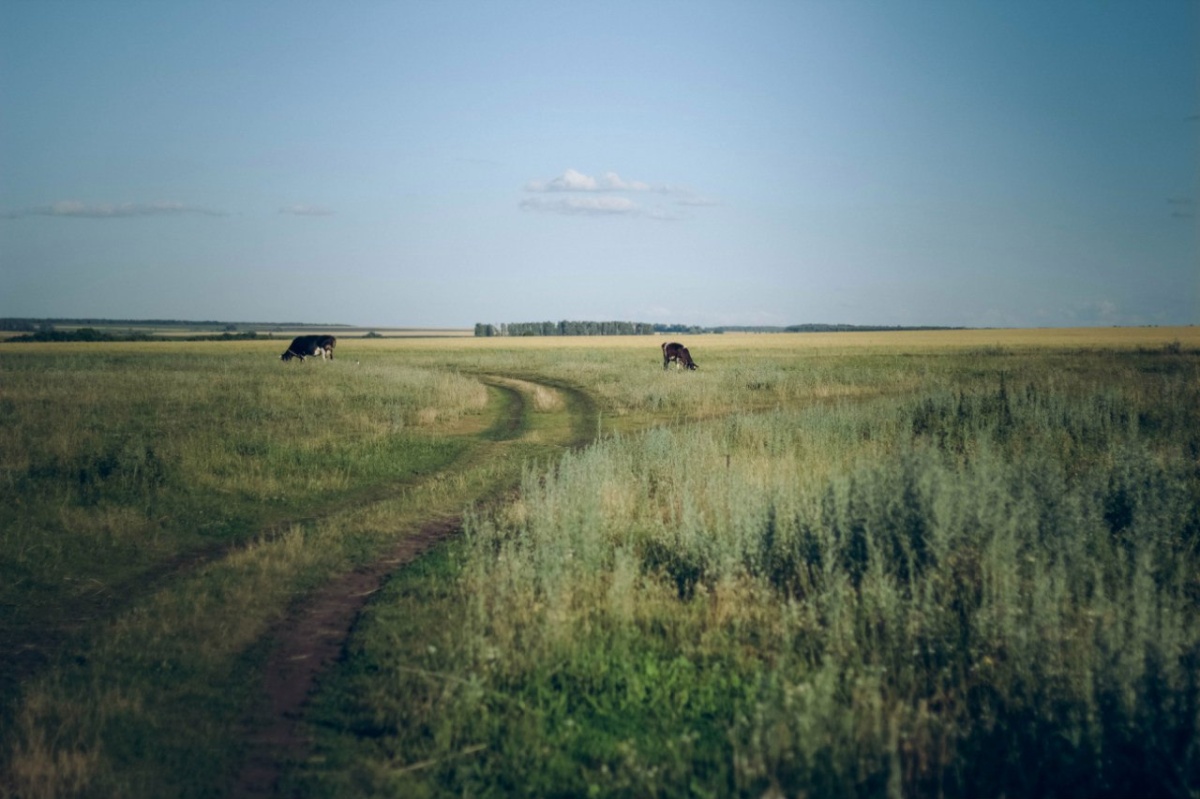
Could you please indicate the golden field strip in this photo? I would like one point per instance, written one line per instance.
(914, 341)
(1083, 337)
(907, 563)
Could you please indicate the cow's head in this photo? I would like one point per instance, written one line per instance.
(287, 356)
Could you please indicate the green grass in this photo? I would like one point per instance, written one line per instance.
(984, 586)
(277, 480)
(817, 569)
(120, 469)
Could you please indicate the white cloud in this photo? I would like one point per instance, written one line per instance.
(74, 208)
(567, 181)
(584, 206)
(611, 181)
(575, 183)
(306, 210)
(571, 180)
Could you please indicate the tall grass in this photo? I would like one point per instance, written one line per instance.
(837, 569)
(282, 478)
(987, 587)
(114, 464)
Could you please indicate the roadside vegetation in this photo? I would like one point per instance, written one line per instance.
(890, 564)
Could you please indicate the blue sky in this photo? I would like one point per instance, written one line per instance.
(906, 162)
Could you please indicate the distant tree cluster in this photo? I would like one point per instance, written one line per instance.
(22, 324)
(227, 336)
(565, 328)
(695, 330)
(643, 329)
(92, 334)
(80, 334)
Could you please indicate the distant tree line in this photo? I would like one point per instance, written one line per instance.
(92, 334)
(564, 328)
(693, 329)
(644, 329)
(27, 324)
(80, 334)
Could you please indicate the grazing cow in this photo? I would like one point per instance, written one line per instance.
(305, 346)
(674, 351)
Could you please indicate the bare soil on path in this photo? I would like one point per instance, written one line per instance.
(313, 636)
(308, 642)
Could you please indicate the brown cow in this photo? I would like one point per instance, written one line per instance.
(674, 351)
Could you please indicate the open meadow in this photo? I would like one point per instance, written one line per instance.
(960, 563)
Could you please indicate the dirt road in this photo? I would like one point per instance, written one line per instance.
(312, 637)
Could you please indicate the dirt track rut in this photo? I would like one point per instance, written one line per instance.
(313, 635)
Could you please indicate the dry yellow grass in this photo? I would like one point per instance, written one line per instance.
(914, 340)
(908, 340)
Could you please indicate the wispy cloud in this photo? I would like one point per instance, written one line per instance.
(584, 206)
(306, 210)
(611, 181)
(577, 181)
(76, 209)
(580, 186)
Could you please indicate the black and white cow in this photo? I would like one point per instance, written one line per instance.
(674, 351)
(305, 346)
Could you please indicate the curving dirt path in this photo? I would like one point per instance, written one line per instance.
(308, 642)
(314, 633)
(25, 654)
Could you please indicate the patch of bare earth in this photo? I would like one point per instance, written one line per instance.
(308, 642)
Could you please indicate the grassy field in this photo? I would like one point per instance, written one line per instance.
(959, 562)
